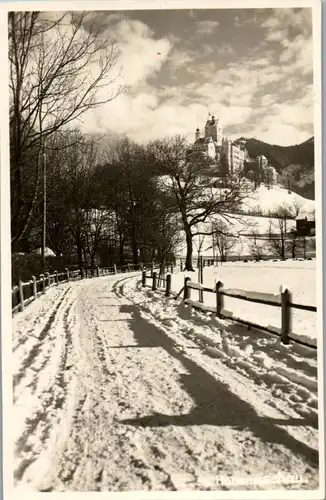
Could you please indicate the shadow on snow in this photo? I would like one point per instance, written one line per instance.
(214, 403)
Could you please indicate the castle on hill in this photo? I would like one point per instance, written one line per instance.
(233, 155)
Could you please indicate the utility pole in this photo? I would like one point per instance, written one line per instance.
(44, 213)
(213, 244)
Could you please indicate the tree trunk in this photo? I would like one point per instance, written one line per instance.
(189, 250)
(79, 253)
(135, 251)
(121, 252)
(93, 263)
(161, 273)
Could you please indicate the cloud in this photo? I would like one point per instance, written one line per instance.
(274, 132)
(266, 94)
(206, 27)
(141, 54)
(292, 30)
(299, 54)
(179, 58)
(283, 19)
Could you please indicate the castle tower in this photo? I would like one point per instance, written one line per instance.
(213, 128)
(207, 126)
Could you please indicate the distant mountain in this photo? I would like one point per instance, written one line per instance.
(295, 162)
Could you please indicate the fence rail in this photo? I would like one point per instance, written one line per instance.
(25, 292)
(163, 277)
(283, 301)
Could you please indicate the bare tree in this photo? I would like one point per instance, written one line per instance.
(77, 199)
(195, 199)
(163, 232)
(269, 177)
(256, 249)
(131, 191)
(255, 245)
(224, 241)
(97, 228)
(296, 207)
(278, 230)
(60, 67)
(293, 242)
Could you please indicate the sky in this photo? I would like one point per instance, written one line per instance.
(251, 68)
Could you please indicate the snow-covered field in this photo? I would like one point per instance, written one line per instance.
(267, 200)
(117, 388)
(265, 277)
(271, 199)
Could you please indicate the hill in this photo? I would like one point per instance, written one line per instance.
(291, 162)
(266, 200)
(269, 200)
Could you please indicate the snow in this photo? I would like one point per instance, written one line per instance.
(118, 388)
(271, 199)
(260, 280)
(48, 252)
(253, 295)
(240, 226)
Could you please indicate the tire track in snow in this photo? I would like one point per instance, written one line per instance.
(36, 348)
(124, 369)
(38, 322)
(45, 416)
(121, 438)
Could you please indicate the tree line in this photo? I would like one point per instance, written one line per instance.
(126, 201)
(97, 200)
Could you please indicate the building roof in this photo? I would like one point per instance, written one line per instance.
(306, 217)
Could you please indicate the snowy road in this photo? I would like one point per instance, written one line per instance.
(109, 398)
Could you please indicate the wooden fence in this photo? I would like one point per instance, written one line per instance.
(25, 292)
(201, 261)
(283, 301)
(161, 280)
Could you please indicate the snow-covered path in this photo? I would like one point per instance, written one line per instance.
(107, 398)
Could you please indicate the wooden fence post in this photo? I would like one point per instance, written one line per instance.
(42, 277)
(48, 280)
(67, 273)
(168, 285)
(201, 278)
(152, 268)
(141, 265)
(143, 279)
(154, 280)
(128, 267)
(186, 291)
(286, 315)
(21, 295)
(115, 268)
(97, 271)
(56, 277)
(34, 287)
(219, 299)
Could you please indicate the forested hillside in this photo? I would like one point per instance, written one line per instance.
(294, 163)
